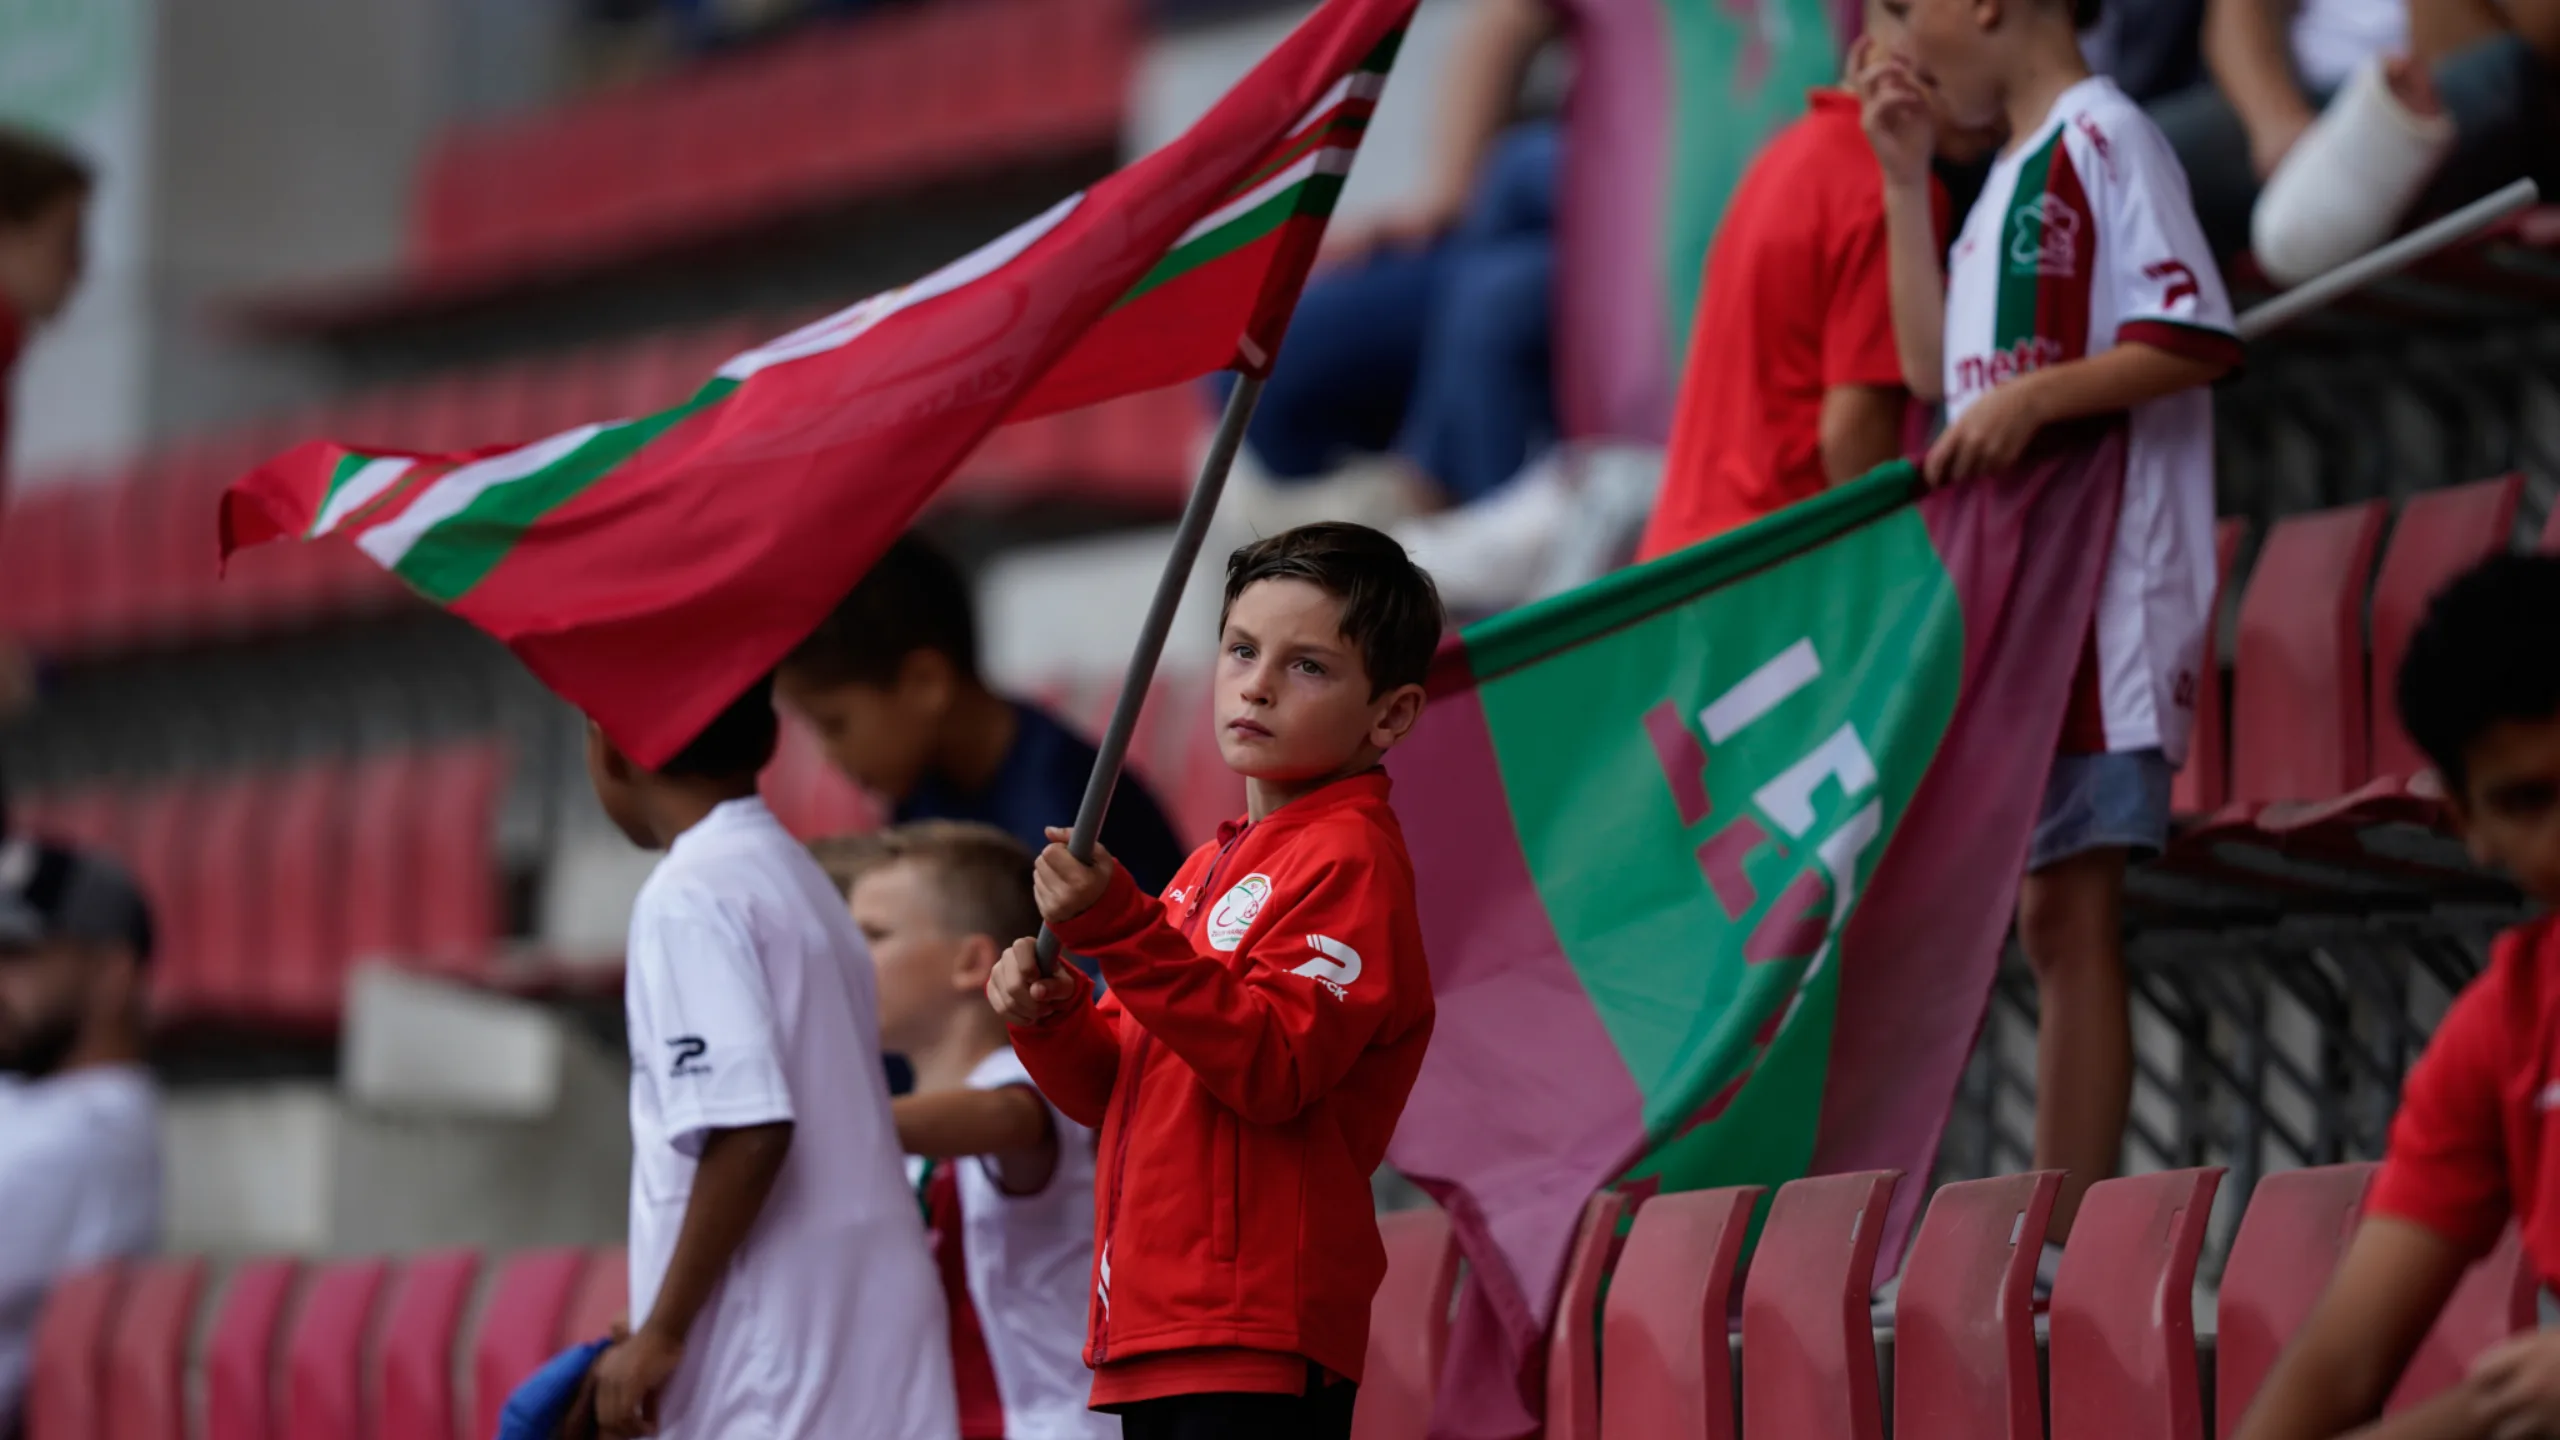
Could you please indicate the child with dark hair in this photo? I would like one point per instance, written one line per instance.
(2079, 293)
(1265, 1021)
(2479, 692)
(890, 682)
(779, 1280)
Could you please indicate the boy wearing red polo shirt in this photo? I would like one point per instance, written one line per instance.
(1265, 1019)
(1793, 383)
(2472, 1144)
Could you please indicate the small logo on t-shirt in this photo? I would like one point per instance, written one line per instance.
(2044, 238)
(689, 1052)
(1235, 914)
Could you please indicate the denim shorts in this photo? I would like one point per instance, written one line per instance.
(2094, 802)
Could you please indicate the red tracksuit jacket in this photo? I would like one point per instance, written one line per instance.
(1264, 1023)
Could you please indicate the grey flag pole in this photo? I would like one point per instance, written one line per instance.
(1187, 539)
(2374, 264)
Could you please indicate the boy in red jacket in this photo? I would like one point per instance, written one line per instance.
(1265, 1020)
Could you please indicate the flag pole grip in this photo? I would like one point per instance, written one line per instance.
(1188, 536)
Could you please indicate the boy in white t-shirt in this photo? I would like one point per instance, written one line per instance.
(779, 1278)
(2080, 288)
(1005, 1180)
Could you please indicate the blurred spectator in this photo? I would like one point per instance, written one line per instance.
(1430, 339)
(2426, 106)
(79, 1121)
(1794, 383)
(2148, 47)
(890, 682)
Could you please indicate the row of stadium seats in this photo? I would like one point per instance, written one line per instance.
(361, 1349)
(2305, 792)
(121, 561)
(2121, 1353)
(834, 115)
(379, 1350)
(270, 886)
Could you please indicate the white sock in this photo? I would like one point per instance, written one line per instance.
(2345, 184)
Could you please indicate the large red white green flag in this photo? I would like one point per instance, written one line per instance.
(649, 569)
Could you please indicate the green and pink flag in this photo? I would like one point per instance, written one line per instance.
(649, 569)
(1715, 859)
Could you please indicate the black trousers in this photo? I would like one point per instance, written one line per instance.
(1324, 1414)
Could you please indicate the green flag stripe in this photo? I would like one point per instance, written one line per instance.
(1311, 197)
(457, 552)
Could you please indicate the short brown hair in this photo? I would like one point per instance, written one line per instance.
(913, 598)
(1390, 608)
(36, 173)
(982, 876)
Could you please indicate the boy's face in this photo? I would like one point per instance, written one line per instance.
(1950, 44)
(925, 970)
(41, 261)
(1888, 31)
(2509, 808)
(616, 782)
(1294, 700)
(880, 736)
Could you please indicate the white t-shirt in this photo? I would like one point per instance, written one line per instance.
(79, 1183)
(1029, 1263)
(2084, 238)
(2332, 37)
(750, 1001)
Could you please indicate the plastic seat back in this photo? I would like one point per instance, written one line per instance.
(2441, 534)
(603, 1294)
(2298, 680)
(146, 1389)
(324, 1357)
(1964, 1330)
(1808, 1343)
(240, 1356)
(1668, 1365)
(66, 1370)
(2204, 782)
(1408, 1327)
(2123, 1338)
(1573, 1339)
(413, 1386)
(2495, 1300)
(2289, 1241)
(520, 1328)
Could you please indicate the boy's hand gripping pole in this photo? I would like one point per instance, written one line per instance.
(1187, 539)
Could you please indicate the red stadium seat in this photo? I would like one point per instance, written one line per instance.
(2298, 682)
(388, 795)
(456, 907)
(2441, 534)
(1964, 1329)
(520, 1328)
(1573, 1340)
(66, 1369)
(308, 821)
(2495, 1300)
(1807, 1334)
(2290, 1239)
(601, 1299)
(1669, 1367)
(324, 1357)
(232, 889)
(2204, 782)
(146, 1390)
(240, 1357)
(413, 1379)
(1408, 1327)
(2122, 1347)
(162, 850)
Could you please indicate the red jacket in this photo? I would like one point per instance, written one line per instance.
(1264, 1023)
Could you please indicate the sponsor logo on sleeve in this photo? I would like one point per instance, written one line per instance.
(1336, 965)
(689, 1050)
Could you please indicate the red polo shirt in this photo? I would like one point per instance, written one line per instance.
(2477, 1138)
(1796, 301)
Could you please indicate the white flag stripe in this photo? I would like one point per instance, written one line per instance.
(1759, 692)
(362, 488)
(388, 543)
(1331, 160)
